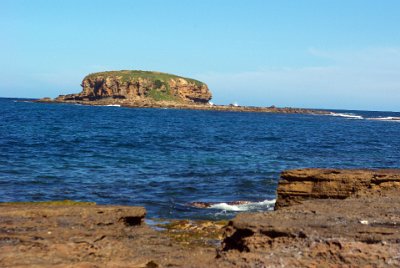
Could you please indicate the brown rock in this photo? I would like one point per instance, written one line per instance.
(303, 184)
(91, 236)
(155, 89)
(349, 219)
(139, 86)
(342, 218)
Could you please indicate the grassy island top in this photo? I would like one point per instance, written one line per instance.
(128, 75)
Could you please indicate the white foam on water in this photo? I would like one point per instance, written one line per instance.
(389, 118)
(113, 105)
(354, 116)
(266, 204)
(350, 116)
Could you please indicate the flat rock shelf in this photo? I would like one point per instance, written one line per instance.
(334, 217)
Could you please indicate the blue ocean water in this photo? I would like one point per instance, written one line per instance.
(164, 159)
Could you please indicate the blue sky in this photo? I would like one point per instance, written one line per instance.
(318, 54)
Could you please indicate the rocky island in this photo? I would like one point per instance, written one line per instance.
(139, 87)
(322, 218)
(132, 88)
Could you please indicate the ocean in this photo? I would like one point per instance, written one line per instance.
(164, 159)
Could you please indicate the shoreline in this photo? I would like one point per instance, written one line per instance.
(322, 217)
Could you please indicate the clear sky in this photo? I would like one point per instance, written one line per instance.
(304, 53)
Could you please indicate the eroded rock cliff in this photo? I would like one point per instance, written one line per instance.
(325, 218)
(140, 86)
(313, 183)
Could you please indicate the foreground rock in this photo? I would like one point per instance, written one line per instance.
(326, 218)
(299, 185)
(76, 235)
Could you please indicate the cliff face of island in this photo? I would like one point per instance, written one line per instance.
(136, 86)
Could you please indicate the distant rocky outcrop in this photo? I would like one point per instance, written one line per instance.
(136, 86)
(145, 89)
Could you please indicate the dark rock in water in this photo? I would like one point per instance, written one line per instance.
(327, 218)
(303, 184)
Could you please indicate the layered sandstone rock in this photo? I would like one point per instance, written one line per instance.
(303, 184)
(136, 86)
(325, 218)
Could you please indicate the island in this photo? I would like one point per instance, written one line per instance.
(134, 88)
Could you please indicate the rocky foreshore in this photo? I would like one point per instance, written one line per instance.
(188, 106)
(323, 218)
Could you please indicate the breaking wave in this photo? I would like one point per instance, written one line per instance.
(365, 117)
(349, 115)
(248, 206)
(113, 105)
(388, 118)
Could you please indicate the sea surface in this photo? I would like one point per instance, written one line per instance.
(164, 159)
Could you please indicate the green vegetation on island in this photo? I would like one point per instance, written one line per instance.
(162, 96)
(154, 85)
(128, 75)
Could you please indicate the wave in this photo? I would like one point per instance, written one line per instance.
(349, 115)
(388, 118)
(267, 204)
(25, 101)
(113, 105)
(355, 116)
